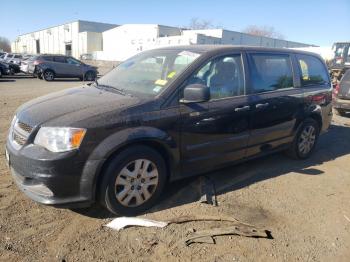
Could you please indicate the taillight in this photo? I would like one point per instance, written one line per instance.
(37, 62)
(336, 89)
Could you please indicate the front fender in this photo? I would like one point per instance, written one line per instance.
(118, 141)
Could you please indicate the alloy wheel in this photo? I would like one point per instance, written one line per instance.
(307, 140)
(48, 75)
(136, 183)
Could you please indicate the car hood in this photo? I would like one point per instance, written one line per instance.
(75, 106)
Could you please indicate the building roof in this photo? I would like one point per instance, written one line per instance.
(66, 24)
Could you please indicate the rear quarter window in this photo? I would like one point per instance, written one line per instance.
(313, 71)
(59, 59)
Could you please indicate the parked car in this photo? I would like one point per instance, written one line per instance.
(341, 95)
(86, 57)
(4, 69)
(59, 66)
(10, 68)
(27, 65)
(163, 115)
(12, 58)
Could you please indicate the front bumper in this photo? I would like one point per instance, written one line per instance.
(341, 103)
(52, 178)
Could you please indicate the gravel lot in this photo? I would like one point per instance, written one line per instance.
(305, 204)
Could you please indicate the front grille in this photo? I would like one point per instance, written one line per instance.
(20, 133)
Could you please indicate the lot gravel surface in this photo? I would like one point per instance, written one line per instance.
(305, 205)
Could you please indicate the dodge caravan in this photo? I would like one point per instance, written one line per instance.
(163, 115)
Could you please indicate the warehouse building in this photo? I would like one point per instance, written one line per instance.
(75, 38)
(117, 43)
(124, 41)
(227, 37)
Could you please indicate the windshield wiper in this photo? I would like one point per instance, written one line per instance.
(119, 90)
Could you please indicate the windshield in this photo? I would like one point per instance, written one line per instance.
(150, 72)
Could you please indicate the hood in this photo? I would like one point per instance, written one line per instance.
(73, 106)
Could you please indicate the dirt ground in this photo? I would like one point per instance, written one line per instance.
(305, 205)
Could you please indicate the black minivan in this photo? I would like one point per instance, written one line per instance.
(167, 114)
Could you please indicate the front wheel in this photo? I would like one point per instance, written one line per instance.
(133, 181)
(305, 140)
(90, 76)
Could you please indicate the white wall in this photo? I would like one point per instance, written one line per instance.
(117, 43)
(53, 40)
(127, 40)
(236, 38)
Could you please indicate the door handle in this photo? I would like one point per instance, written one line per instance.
(259, 106)
(241, 109)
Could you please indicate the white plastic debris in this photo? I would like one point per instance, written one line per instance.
(122, 222)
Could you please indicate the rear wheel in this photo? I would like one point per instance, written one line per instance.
(48, 75)
(133, 181)
(0, 73)
(305, 140)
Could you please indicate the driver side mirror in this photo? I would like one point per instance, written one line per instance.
(195, 93)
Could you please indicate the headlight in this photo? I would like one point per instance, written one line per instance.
(60, 139)
(14, 120)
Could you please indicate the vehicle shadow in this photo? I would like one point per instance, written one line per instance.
(4, 80)
(67, 80)
(19, 77)
(333, 144)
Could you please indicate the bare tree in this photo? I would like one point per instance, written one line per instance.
(5, 44)
(268, 31)
(197, 24)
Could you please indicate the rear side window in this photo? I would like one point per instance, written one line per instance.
(270, 72)
(47, 58)
(59, 59)
(313, 72)
(18, 56)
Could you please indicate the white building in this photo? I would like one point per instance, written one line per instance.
(117, 43)
(227, 37)
(124, 41)
(75, 38)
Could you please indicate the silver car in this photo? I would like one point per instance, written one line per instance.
(12, 58)
(50, 67)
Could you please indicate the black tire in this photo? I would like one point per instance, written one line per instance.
(48, 75)
(0, 73)
(39, 75)
(295, 149)
(112, 195)
(339, 112)
(90, 76)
